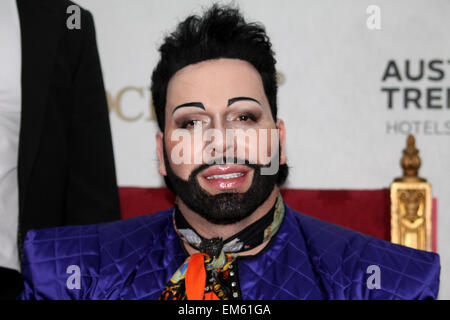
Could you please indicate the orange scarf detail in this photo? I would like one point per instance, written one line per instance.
(195, 280)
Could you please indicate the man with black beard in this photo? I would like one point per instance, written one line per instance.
(223, 208)
(230, 235)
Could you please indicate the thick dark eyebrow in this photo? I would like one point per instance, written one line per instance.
(190, 104)
(233, 100)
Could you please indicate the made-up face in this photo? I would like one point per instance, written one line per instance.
(216, 111)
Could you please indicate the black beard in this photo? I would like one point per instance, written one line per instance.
(223, 208)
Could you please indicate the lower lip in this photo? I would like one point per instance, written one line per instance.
(226, 184)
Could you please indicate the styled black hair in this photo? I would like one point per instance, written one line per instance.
(220, 33)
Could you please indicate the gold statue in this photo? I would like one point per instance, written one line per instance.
(411, 203)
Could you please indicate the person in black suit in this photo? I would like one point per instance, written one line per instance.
(65, 172)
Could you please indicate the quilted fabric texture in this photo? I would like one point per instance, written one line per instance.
(307, 259)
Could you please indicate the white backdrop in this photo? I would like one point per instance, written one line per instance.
(341, 132)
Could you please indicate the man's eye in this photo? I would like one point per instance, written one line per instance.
(190, 124)
(246, 116)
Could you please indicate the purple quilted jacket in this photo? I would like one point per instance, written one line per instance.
(307, 259)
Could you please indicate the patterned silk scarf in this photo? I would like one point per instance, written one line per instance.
(210, 275)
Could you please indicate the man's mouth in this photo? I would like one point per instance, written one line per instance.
(225, 177)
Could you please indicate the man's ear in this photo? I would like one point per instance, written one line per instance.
(282, 134)
(160, 153)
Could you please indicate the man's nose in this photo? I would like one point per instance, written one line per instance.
(220, 140)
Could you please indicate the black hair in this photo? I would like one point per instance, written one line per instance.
(220, 33)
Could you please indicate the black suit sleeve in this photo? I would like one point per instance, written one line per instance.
(92, 194)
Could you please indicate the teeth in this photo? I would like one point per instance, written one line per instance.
(225, 176)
